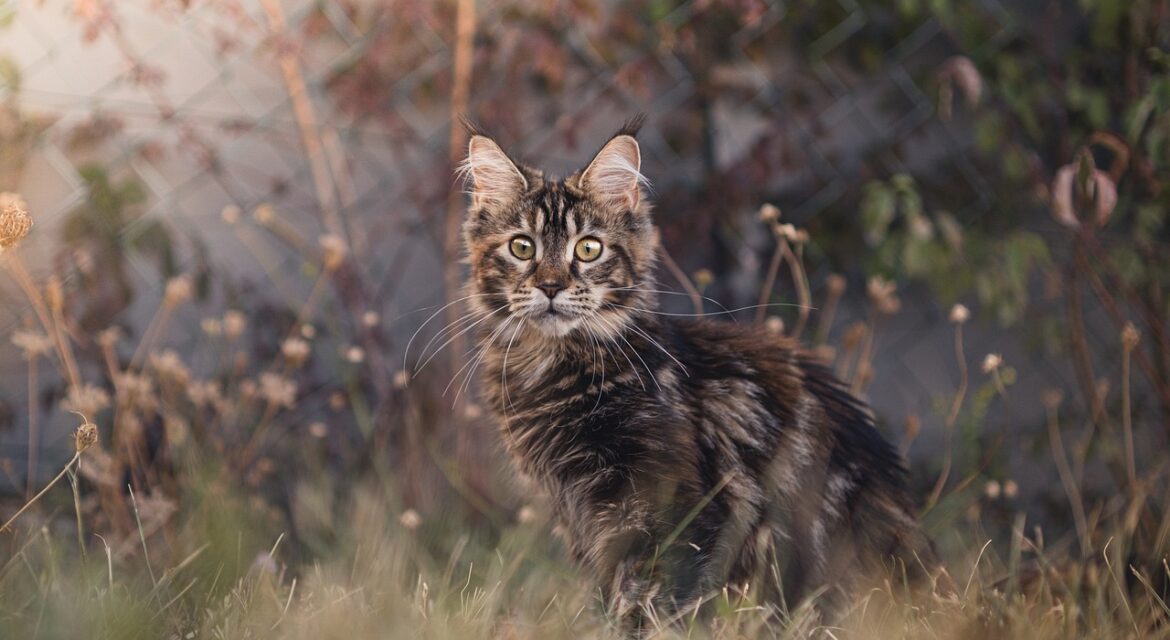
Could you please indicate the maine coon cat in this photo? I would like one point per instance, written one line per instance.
(682, 455)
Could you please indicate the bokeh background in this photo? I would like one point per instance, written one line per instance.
(245, 210)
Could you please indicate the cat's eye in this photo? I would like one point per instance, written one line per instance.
(588, 249)
(522, 247)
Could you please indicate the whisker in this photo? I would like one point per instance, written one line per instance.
(451, 326)
(660, 347)
(453, 338)
(617, 331)
(479, 359)
(713, 313)
(713, 301)
(406, 353)
(504, 376)
(482, 349)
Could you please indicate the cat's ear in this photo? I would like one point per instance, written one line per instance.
(494, 177)
(614, 176)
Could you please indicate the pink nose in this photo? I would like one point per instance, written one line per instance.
(550, 289)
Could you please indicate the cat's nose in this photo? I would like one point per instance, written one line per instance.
(550, 289)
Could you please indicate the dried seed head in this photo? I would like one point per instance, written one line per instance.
(769, 213)
(1010, 489)
(278, 390)
(370, 319)
(526, 515)
(704, 278)
(318, 430)
(264, 214)
(295, 351)
(177, 292)
(85, 399)
(355, 355)
(234, 324)
(472, 411)
(1130, 336)
(337, 401)
(774, 324)
(212, 326)
(410, 520)
(14, 220)
(86, 435)
(231, 214)
(835, 284)
(169, 367)
(33, 343)
(1052, 398)
(333, 250)
(991, 489)
(109, 337)
(308, 331)
(991, 362)
(401, 379)
(960, 314)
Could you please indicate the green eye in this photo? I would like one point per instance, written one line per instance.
(588, 249)
(522, 247)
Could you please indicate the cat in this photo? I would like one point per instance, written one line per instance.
(681, 455)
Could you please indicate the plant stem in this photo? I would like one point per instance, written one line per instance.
(74, 459)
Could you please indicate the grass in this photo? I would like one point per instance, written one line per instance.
(246, 530)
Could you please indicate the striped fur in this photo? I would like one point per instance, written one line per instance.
(681, 455)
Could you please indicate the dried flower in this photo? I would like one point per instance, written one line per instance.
(1130, 336)
(410, 520)
(136, 390)
(960, 314)
(33, 343)
(882, 295)
(278, 390)
(234, 324)
(231, 214)
(177, 292)
(769, 213)
(85, 436)
(401, 378)
(835, 284)
(109, 337)
(333, 250)
(264, 214)
(1052, 398)
(204, 393)
(85, 399)
(704, 278)
(169, 366)
(211, 326)
(295, 351)
(991, 362)
(14, 219)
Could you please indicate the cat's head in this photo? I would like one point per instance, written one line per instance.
(567, 257)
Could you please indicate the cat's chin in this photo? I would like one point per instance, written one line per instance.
(556, 325)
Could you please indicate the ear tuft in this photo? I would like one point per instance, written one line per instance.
(614, 176)
(494, 177)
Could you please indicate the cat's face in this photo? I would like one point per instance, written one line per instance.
(569, 257)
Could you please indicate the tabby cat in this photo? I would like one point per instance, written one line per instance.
(682, 455)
